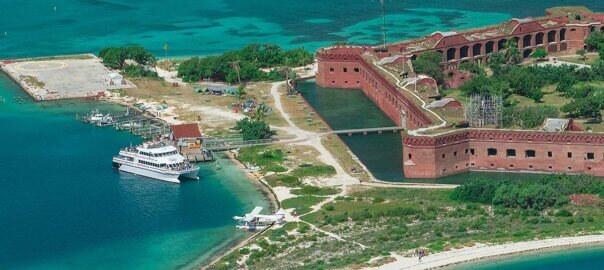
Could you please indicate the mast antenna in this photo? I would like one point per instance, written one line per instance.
(383, 2)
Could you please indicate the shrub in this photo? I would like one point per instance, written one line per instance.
(564, 213)
(275, 168)
(314, 190)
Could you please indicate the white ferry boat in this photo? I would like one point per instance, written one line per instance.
(155, 160)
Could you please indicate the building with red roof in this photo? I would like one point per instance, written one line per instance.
(185, 131)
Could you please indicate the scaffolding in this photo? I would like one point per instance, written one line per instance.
(484, 110)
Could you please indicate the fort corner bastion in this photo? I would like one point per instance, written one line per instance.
(433, 147)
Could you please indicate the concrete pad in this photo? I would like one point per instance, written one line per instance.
(63, 78)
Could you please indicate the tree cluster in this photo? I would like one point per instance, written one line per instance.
(528, 117)
(587, 102)
(429, 63)
(115, 57)
(254, 129)
(596, 40)
(244, 64)
(550, 190)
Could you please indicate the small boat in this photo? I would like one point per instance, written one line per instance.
(105, 120)
(155, 160)
(132, 125)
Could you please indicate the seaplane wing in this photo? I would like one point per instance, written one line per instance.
(256, 211)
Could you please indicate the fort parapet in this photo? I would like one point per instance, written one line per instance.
(433, 156)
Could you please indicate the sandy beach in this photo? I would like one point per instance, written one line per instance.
(484, 251)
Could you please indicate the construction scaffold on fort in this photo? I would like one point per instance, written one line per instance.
(484, 110)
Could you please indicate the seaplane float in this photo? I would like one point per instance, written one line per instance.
(255, 221)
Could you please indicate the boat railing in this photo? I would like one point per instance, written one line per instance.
(181, 167)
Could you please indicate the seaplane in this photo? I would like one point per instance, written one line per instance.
(254, 220)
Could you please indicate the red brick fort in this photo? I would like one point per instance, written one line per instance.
(460, 150)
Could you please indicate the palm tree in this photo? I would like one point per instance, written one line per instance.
(512, 54)
(237, 68)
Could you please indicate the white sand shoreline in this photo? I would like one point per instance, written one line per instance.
(484, 251)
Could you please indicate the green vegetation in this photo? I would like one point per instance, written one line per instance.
(595, 40)
(587, 101)
(314, 190)
(472, 67)
(260, 156)
(245, 64)
(429, 63)
(550, 190)
(301, 203)
(510, 79)
(309, 170)
(539, 54)
(254, 129)
(115, 57)
(528, 117)
(401, 220)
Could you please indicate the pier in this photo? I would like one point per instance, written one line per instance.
(365, 131)
(135, 121)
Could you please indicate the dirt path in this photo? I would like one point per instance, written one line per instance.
(312, 139)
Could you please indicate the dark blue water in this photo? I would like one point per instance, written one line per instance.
(63, 206)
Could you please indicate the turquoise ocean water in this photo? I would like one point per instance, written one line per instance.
(579, 258)
(60, 204)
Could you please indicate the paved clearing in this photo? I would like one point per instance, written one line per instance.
(63, 78)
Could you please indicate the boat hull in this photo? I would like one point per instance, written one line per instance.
(173, 177)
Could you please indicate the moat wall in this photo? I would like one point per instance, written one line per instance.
(469, 149)
(504, 151)
(347, 69)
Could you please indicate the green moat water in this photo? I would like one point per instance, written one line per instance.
(382, 154)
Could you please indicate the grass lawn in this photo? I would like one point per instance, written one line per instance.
(301, 113)
(302, 204)
(550, 97)
(592, 59)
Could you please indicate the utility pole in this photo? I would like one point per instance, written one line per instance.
(166, 48)
(384, 23)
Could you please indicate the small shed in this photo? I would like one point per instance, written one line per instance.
(445, 103)
(185, 131)
(114, 79)
(560, 124)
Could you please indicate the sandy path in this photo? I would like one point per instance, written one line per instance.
(312, 139)
(482, 251)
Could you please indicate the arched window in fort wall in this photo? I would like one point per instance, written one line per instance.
(501, 43)
(539, 38)
(490, 47)
(526, 41)
(551, 36)
(451, 54)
